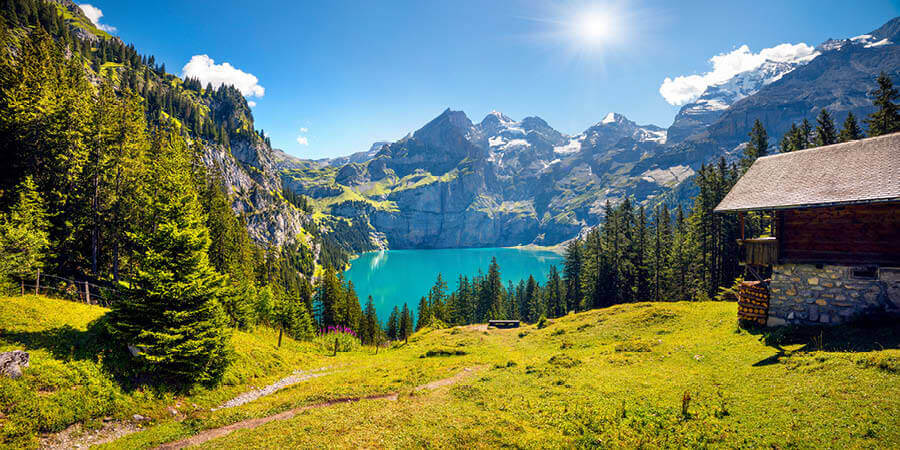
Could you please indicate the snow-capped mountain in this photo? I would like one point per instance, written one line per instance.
(717, 98)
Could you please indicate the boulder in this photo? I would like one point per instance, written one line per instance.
(12, 363)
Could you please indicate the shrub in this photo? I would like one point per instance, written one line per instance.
(562, 360)
(345, 338)
(443, 352)
(543, 322)
(633, 345)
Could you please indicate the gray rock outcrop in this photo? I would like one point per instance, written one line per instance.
(12, 363)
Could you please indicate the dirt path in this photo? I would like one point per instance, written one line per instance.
(297, 377)
(215, 433)
(76, 437)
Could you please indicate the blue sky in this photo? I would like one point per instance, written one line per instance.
(332, 77)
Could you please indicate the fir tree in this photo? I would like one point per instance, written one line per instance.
(804, 135)
(533, 309)
(169, 310)
(851, 130)
(826, 133)
(757, 147)
(393, 324)
(424, 314)
(886, 118)
(369, 332)
(24, 239)
(406, 323)
(572, 275)
(493, 292)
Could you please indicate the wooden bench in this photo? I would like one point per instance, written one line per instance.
(503, 323)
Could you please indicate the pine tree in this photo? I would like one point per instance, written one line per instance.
(424, 314)
(826, 133)
(494, 292)
(572, 275)
(169, 310)
(851, 130)
(757, 147)
(437, 308)
(370, 329)
(393, 324)
(406, 323)
(886, 118)
(24, 239)
(804, 135)
(533, 307)
(789, 140)
(556, 302)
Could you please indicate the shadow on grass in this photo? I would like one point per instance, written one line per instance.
(95, 344)
(863, 335)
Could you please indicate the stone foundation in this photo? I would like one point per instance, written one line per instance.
(806, 294)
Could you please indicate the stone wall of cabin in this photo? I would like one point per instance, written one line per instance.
(826, 294)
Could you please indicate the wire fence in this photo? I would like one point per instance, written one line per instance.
(68, 289)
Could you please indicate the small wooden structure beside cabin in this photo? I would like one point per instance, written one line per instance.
(503, 323)
(836, 250)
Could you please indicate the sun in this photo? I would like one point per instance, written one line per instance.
(595, 27)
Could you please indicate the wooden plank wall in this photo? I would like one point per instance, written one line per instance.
(858, 234)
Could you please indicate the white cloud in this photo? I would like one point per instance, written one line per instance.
(302, 140)
(251, 104)
(304, 130)
(205, 69)
(94, 14)
(686, 88)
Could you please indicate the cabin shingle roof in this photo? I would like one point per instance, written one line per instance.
(863, 171)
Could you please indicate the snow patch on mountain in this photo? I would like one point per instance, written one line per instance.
(573, 146)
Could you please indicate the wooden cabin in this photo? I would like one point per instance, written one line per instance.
(836, 250)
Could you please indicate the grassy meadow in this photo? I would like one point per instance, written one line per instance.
(643, 374)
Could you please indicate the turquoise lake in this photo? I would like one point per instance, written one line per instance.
(394, 277)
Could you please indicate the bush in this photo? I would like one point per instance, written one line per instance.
(345, 338)
(542, 322)
(633, 345)
(443, 352)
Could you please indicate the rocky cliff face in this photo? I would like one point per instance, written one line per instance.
(454, 183)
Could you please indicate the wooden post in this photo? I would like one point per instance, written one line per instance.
(741, 216)
(37, 283)
(335, 345)
(87, 293)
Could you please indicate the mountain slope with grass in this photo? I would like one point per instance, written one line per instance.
(657, 374)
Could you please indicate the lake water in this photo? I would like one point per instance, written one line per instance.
(394, 277)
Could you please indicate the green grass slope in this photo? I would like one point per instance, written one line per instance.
(69, 378)
(612, 377)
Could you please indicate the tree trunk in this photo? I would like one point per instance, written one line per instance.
(280, 332)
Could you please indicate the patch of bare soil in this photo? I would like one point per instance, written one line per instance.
(77, 437)
(215, 433)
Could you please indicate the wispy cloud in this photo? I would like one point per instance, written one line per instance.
(686, 88)
(302, 140)
(251, 104)
(94, 14)
(205, 69)
(304, 130)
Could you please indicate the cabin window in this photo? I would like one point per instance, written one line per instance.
(865, 273)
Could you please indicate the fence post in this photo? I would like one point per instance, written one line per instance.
(37, 283)
(87, 293)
